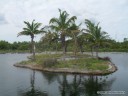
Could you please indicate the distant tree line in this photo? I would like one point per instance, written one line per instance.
(42, 46)
(5, 45)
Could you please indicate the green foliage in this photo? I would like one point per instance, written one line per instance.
(20, 46)
(31, 29)
(48, 62)
(4, 45)
(23, 46)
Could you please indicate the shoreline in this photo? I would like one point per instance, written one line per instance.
(112, 68)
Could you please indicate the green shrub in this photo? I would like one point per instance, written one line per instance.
(48, 62)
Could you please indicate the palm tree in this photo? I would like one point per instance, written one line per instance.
(55, 39)
(82, 39)
(30, 30)
(50, 38)
(61, 24)
(74, 32)
(79, 37)
(97, 37)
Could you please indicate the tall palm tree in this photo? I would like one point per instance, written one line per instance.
(61, 24)
(31, 30)
(97, 37)
(74, 32)
(82, 39)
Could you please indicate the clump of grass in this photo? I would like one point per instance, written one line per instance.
(40, 56)
(26, 62)
(48, 62)
(84, 63)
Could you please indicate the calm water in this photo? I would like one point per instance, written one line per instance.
(25, 82)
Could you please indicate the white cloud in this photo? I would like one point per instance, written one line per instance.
(112, 14)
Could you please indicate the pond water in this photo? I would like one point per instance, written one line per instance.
(25, 82)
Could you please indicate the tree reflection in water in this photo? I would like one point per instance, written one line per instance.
(70, 85)
(84, 85)
(50, 77)
(63, 85)
(32, 91)
(92, 84)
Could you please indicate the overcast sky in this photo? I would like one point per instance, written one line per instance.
(112, 15)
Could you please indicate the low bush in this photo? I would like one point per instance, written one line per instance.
(48, 62)
(104, 58)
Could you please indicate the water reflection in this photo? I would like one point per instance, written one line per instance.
(64, 90)
(92, 84)
(84, 85)
(70, 85)
(32, 91)
(75, 86)
(50, 77)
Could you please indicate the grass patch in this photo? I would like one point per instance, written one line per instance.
(83, 62)
(26, 62)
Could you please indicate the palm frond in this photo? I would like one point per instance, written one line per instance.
(23, 33)
(71, 20)
(28, 24)
(37, 25)
(54, 20)
(31, 29)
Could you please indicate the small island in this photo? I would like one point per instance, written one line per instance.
(79, 64)
(65, 35)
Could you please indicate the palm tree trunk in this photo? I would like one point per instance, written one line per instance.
(81, 49)
(63, 43)
(97, 49)
(75, 49)
(30, 47)
(33, 47)
(92, 50)
(56, 46)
